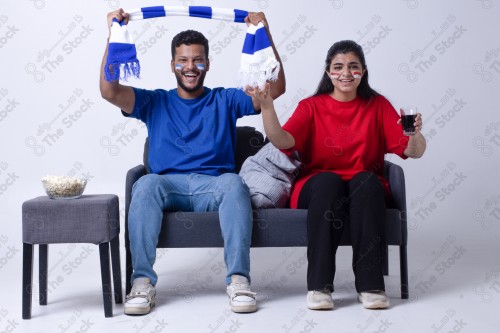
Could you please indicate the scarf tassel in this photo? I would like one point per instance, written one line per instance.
(122, 71)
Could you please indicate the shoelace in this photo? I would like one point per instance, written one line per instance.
(139, 290)
(242, 289)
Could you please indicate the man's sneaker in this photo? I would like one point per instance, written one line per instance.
(373, 299)
(319, 300)
(241, 298)
(141, 299)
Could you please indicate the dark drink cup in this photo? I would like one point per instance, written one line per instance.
(408, 116)
(407, 122)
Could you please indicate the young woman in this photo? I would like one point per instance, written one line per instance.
(342, 133)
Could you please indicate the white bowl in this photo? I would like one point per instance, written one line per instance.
(63, 187)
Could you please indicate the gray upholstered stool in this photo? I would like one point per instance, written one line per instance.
(89, 219)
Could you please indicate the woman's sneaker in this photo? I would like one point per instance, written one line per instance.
(241, 298)
(319, 300)
(141, 299)
(376, 299)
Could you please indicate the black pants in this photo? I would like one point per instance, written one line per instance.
(336, 206)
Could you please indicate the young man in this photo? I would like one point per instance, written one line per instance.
(191, 133)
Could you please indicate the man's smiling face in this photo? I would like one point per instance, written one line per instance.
(190, 66)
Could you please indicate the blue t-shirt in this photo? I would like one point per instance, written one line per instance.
(191, 135)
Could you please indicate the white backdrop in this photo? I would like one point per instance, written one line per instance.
(443, 56)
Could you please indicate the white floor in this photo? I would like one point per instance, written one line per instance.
(455, 287)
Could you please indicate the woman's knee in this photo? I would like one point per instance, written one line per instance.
(365, 186)
(367, 179)
(325, 190)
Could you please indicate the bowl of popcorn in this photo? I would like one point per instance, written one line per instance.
(63, 187)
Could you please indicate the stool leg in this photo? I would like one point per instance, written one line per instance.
(43, 271)
(115, 264)
(27, 279)
(106, 279)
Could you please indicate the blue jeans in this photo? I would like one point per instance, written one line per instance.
(227, 193)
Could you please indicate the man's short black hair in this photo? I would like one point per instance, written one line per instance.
(189, 37)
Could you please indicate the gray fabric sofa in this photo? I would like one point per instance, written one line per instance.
(273, 227)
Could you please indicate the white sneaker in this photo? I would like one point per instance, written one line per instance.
(319, 300)
(376, 299)
(141, 299)
(241, 298)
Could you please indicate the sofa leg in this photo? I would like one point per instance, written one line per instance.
(404, 271)
(385, 267)
(128, 270)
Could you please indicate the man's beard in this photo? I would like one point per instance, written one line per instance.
(178, 77)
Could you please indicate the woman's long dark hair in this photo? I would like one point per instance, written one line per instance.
(325, 86)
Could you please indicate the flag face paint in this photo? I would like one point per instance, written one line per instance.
(334, 76)
(179, 67)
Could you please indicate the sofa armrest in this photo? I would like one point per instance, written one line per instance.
(395, 175)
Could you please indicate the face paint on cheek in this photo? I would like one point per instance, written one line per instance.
(201, 67)
(178, 67)
(356, 75)
(334, 76)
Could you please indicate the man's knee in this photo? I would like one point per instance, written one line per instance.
(232, 183)
(146, 184)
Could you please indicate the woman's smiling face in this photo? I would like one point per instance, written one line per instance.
(345, 72)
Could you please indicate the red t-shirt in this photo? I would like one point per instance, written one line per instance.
(344, 137)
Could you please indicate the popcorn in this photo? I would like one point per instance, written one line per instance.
(63, 186)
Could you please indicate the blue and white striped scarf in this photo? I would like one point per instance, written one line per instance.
(258, 62)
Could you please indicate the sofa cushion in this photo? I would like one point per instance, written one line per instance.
(270, 175)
